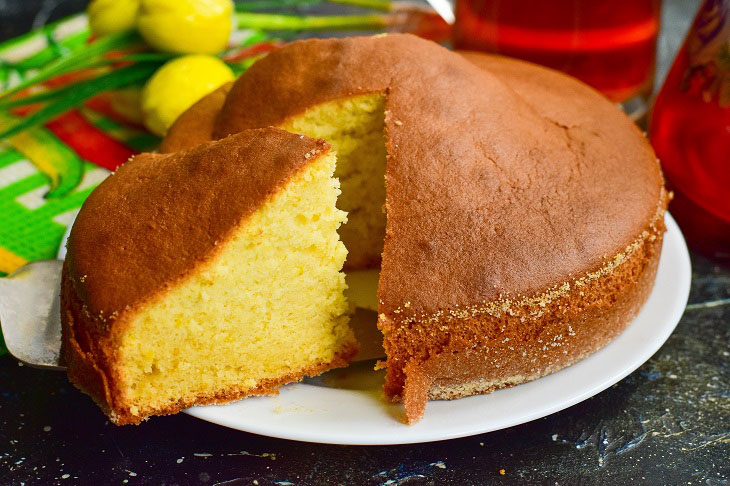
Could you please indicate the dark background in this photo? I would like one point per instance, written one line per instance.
(667, 423)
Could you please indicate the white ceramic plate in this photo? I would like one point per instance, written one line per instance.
(344, 407)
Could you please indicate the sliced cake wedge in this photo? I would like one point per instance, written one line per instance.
(207, 275)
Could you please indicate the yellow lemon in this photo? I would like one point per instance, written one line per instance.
(108, 16)
(177, 85)
(186, 26)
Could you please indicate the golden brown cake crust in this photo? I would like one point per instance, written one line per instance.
(187, 205)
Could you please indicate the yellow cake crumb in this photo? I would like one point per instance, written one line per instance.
(354, 127)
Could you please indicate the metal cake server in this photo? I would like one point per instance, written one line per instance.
(30, 314)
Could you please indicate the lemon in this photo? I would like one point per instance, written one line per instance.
(108, 16)
(177, 85)
(186, 26)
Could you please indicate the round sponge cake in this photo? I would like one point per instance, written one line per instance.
(517, 215)
(524, 211)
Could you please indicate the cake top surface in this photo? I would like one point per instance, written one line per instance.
(503, 180)
(184, 205)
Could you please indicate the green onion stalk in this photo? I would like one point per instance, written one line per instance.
(394, 17)
(274, 22)
(254, 5)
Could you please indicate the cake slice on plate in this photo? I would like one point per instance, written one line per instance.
(206, 276)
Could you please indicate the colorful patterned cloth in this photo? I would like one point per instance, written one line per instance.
(47, 172)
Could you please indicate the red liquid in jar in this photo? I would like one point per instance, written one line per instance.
(690, 131)
(609, 45)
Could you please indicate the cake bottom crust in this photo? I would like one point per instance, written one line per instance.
(481, 354)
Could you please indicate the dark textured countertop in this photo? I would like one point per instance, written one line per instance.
(667, 423)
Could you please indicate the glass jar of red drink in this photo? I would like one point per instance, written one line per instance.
(690, 131)
(609, 45)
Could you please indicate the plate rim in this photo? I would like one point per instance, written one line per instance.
(681, 295)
